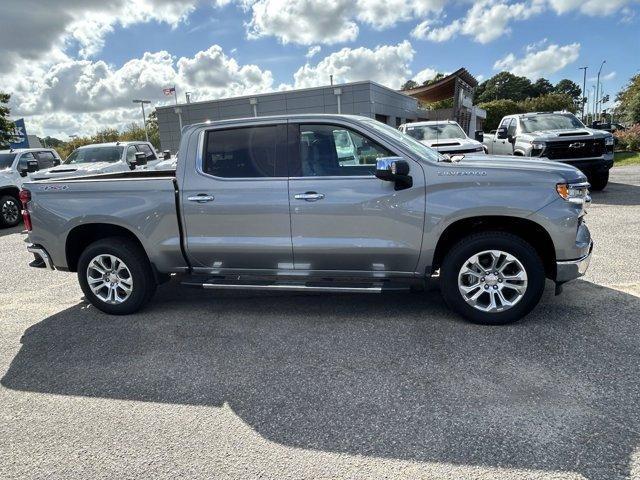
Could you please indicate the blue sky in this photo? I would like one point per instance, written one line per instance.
(89, 60)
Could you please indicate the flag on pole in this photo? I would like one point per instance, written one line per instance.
(169, 91)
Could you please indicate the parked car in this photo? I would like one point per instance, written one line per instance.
(255, 204)
(169, 162)
(557, 136)
(15, 165)
(444, 136)
(103, 158)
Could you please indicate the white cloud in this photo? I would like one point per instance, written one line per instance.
(485, 21)
(424, 75)
(385, 64)
(590, 7)
(541, 63)
(313, 51)
(608, 76)
(80, 96)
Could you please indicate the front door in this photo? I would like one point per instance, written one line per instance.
(236, 207)
(502, 146)
(344, 219)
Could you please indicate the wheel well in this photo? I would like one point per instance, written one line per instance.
(13, 191)
(528, 230)
(518, 153)
(84, 235)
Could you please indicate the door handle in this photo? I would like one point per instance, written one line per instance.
(309, 196)
(201, 198)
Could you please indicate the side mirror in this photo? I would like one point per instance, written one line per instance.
(479, 136)
(166, 155)
(394, 169)
(501, 133)
(30, 167)
(141, 159)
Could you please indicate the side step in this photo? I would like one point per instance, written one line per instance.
(297, 287)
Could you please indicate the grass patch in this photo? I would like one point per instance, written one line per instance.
(623, 159)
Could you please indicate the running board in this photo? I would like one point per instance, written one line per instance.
(289, 287)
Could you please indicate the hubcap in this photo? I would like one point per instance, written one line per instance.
(10, 211)
(109, 279)
(492, 281)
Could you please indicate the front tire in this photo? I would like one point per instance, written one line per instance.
(9, 211)
(599, 180)
(492, 278)
(116, 276)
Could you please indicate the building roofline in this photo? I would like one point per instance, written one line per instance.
(281, 92)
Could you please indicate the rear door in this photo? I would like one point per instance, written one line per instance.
(236, 204)
(343, 218)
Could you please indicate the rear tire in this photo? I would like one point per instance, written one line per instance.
(599, 180)
(517, 256)
(116, 276)
(9, 211)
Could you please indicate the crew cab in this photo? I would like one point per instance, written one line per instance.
(274, 203)
(15, 165)
(557, 136)
(444, 136)
(103, 158)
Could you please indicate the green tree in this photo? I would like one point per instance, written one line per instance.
(542, 86)
(567, 87)
(6, 126)
(496, 109)
(548, 103)
(629, 101)
(504, 85)
(408, 85)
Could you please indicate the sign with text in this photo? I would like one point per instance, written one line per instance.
(20, 139)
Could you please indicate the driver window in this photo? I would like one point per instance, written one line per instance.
(512, 128)
(24, 159)
(131, 153)
(331, 150)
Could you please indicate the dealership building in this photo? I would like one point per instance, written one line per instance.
(365, 98)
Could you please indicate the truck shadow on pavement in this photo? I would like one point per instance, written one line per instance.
(617, 194)
(394, 376)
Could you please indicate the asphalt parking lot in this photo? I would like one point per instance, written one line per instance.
(210, 385)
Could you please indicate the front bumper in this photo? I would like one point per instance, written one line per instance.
(567, 270)
(591, 166)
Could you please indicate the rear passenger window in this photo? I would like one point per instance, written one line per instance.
(247, 152)
(46, 160)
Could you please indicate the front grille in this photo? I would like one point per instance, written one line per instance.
(582, 148)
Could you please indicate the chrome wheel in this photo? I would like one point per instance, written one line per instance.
(109, 279)
(492, 281)
(10, 211)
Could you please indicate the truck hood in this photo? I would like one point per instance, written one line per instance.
(566, 134)
(71, 170)
(508, 162)
(6, 178)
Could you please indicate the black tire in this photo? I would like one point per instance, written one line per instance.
(506, 242)
(599, 180)
(135, 259)
(9, 211)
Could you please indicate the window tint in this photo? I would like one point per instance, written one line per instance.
(143, 147)
(95, 154)
(505, 122)
(46, 160)
(24, 158)
(512, 127)
(131, 153)
(243, 152)
(331, 150)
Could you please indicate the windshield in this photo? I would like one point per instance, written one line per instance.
(6, 159)
(551, 121)
(435, 132)
(95, 154)
(420, 149)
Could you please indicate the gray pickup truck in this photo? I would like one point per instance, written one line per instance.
(556, 136)
(274, 203)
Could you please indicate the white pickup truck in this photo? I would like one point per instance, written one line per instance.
(103, 158)
(444, 136)
(15, 166)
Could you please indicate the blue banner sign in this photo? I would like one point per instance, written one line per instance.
(20, 135)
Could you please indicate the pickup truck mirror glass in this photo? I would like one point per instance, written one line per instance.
(394, 169)
(479, 136)
(166, 155)
(141, 159)
(27, 167)
(501, 133)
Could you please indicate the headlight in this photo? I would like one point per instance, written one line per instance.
(608, 141)
(577, 193)
(538, 145)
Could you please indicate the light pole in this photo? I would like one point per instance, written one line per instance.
(598, 86)
(584, 85)
(144, 119)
